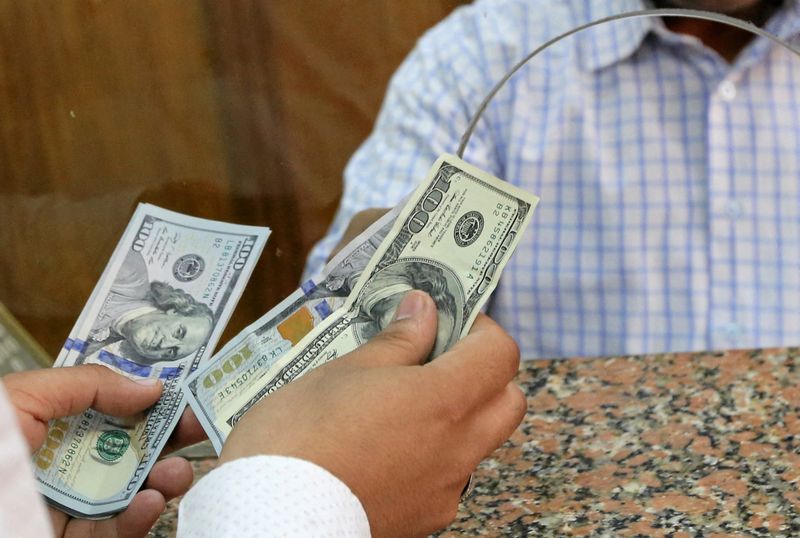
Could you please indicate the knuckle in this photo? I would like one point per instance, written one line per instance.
(518, 404)
(31, 402)
(508, 349)
(451, 409)
(94, 371)
(98, 376)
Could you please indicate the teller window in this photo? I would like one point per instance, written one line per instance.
(243, 111)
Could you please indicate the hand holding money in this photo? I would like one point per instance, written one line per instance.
(79, 388)
(240, 365)
(451, 238)
(156, 313)
(403, 436)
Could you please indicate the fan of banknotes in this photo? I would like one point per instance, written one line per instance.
(173, 281)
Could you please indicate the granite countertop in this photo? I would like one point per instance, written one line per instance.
(675, 445)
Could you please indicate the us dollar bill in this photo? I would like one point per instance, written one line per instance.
(241, 364)
(451, 239)
(157, 311)
(18, 350)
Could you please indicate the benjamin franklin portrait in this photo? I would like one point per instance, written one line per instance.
(148, 322)
(381, 296)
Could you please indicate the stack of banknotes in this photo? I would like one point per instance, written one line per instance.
(173, 281)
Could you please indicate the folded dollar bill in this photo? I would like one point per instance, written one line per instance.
(451, 239)
(157, 311)
(245, 359)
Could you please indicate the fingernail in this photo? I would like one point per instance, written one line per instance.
(147, 381)
(412, 305)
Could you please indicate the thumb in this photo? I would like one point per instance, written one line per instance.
(60, 392)
(407, 340)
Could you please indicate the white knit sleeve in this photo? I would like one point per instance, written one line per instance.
(271, 496)
(22, 510)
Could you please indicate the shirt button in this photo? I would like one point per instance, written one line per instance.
(733, 208)
(727, 91)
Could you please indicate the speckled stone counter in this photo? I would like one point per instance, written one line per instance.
(676, 445)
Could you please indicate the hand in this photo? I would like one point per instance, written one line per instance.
(42, 395)
(360, 222)
(402, 436)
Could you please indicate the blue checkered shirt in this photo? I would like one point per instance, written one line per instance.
(669, 179)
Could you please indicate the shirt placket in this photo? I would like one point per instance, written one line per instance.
(726, 329)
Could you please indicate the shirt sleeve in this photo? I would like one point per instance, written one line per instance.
(22, 510)
(271, 496)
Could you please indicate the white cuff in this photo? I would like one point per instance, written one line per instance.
(271, 496)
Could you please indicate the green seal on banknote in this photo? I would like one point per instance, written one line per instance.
(111, 445)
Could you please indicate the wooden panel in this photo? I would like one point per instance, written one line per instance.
(240, 110)
(104, 104)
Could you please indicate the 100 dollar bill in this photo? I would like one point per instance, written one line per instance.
(157, 311)
(242, 363)
(451, 239)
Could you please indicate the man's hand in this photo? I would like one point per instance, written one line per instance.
(42, 395)
(402, 436)
(360, 222)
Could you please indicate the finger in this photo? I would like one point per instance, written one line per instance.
(408, 340)
(172, 477)
(60, 392)
(499, 418)
(188, 432)
(479, 366)
(58, 520)
(135, 522)
(141, 514)
(168, 479)
(489, 426)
